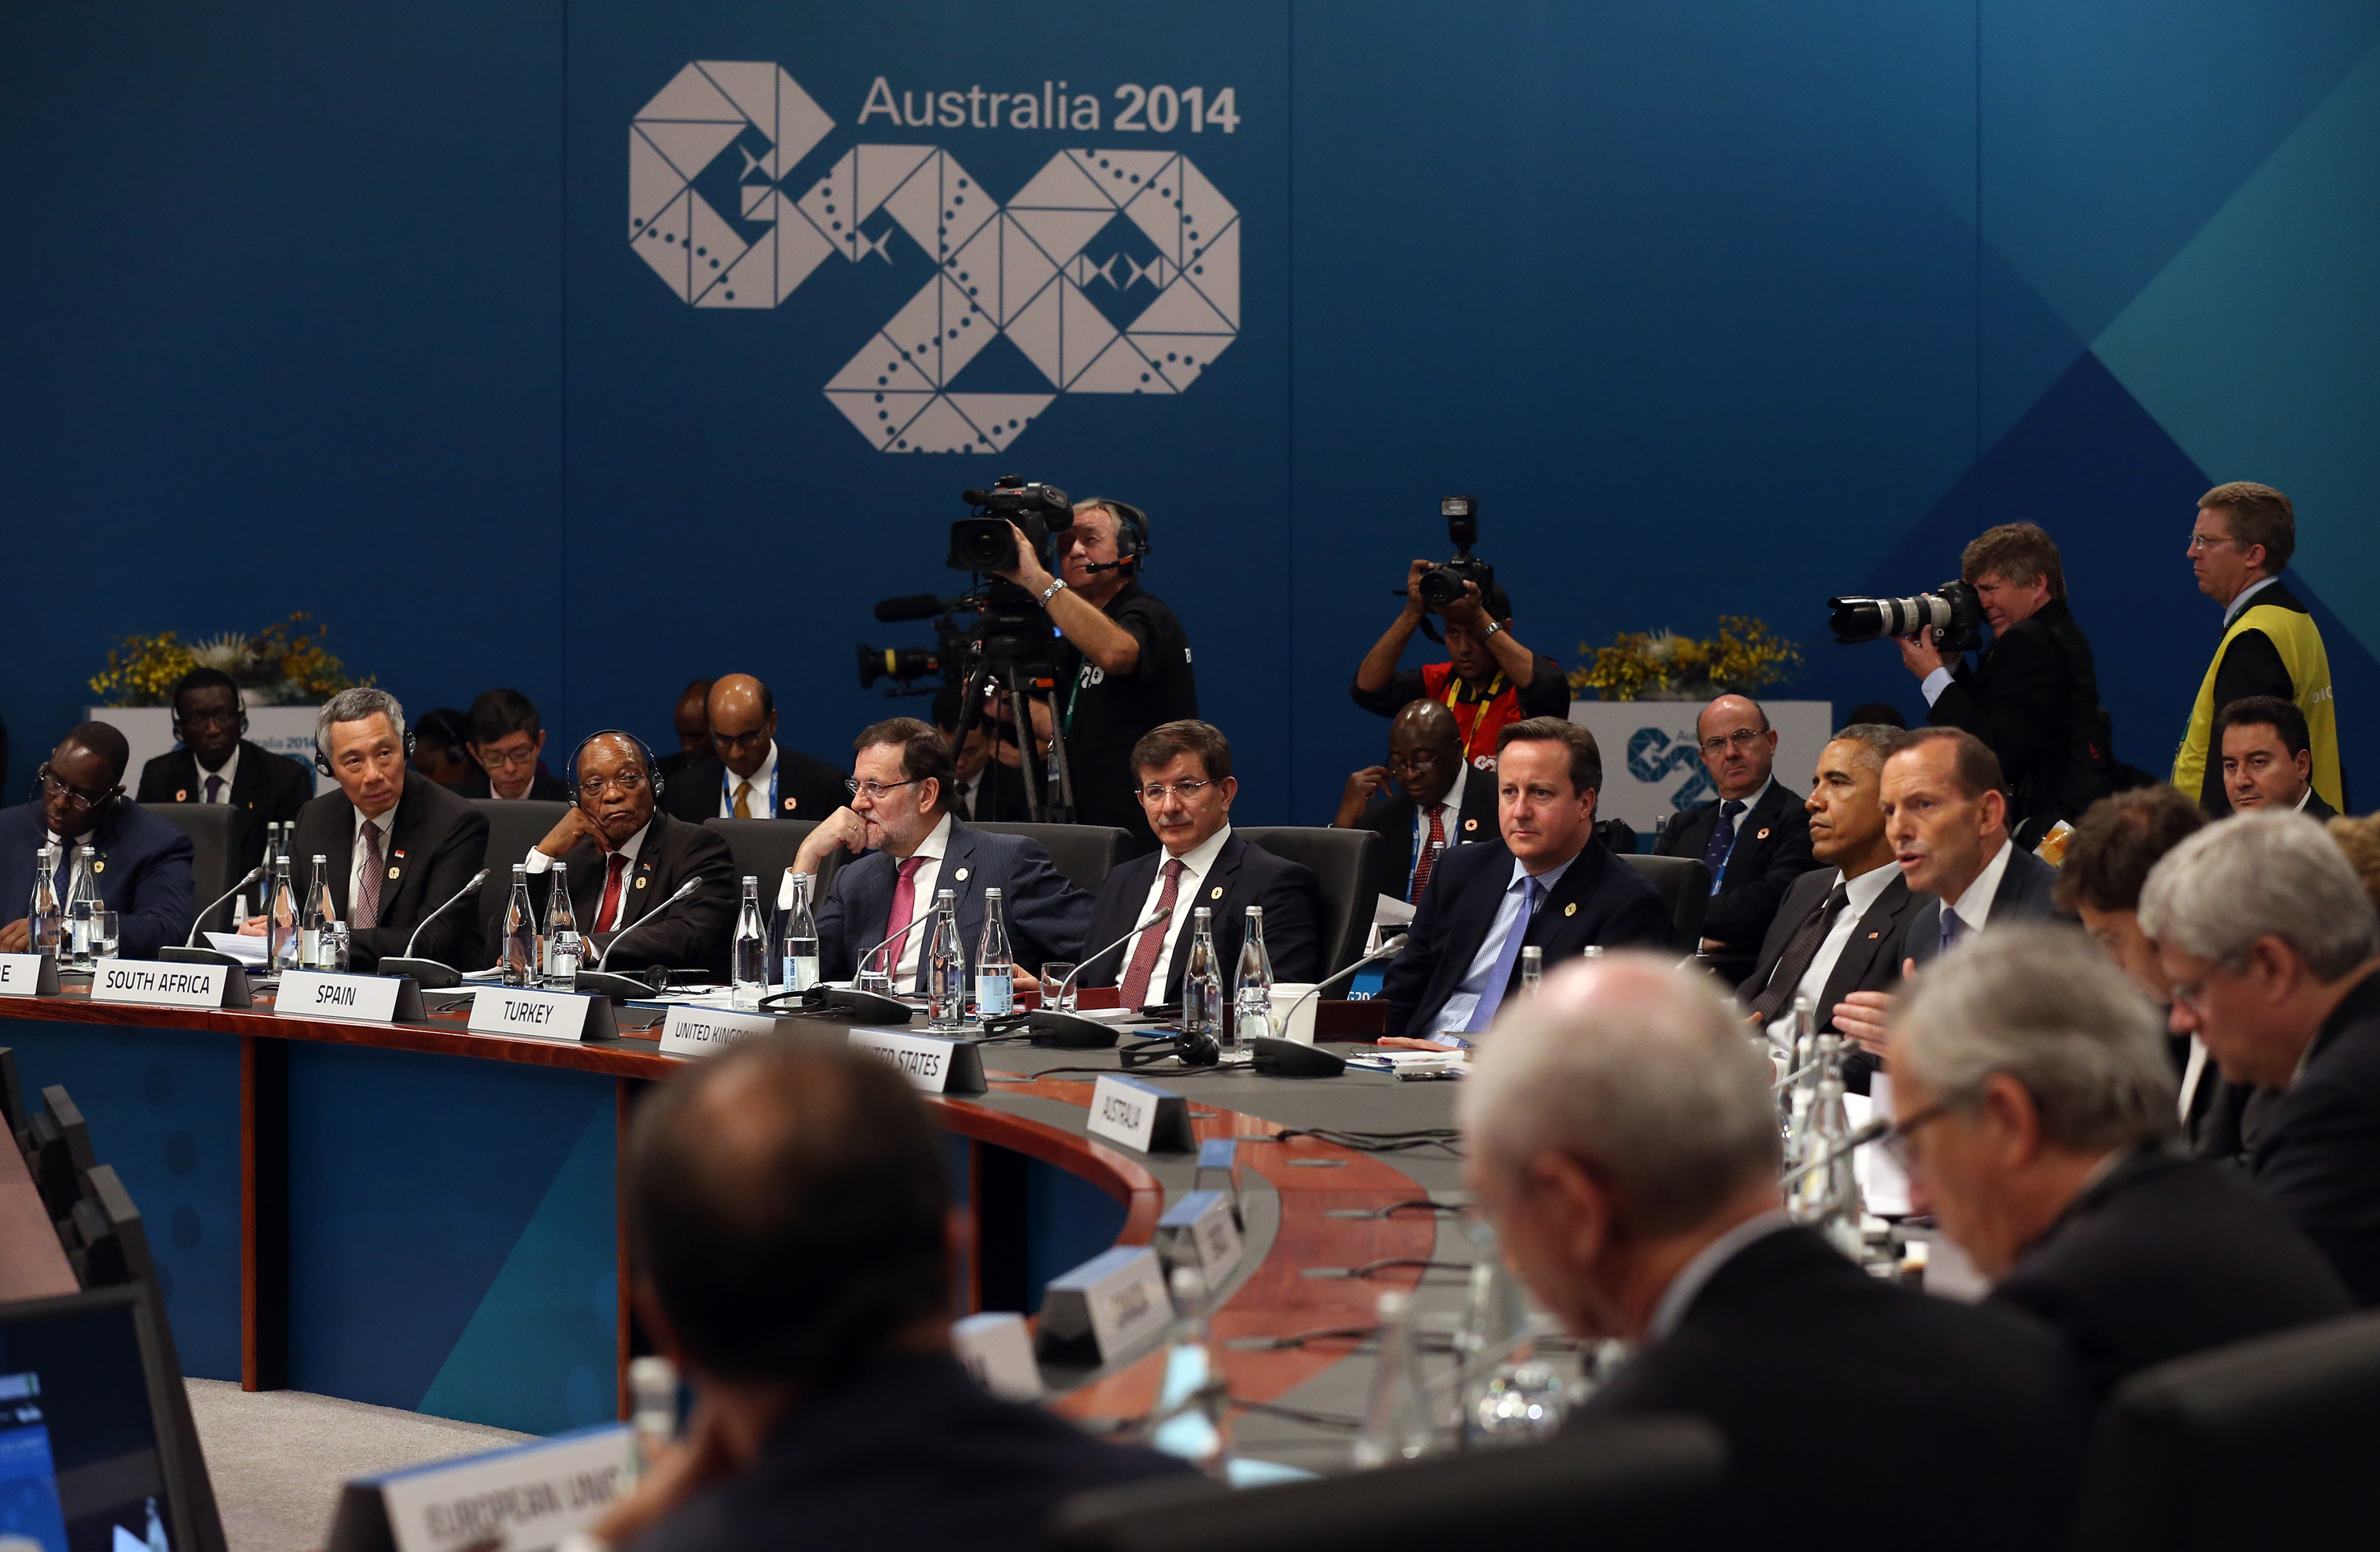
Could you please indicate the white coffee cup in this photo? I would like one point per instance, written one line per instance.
(1285, 993)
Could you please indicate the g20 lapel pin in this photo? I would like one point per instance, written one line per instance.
(392, 875)
(1215, 893)
(1571, 909)
(961, 875)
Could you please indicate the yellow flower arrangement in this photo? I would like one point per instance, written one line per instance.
(1662, 665)
(279, 667)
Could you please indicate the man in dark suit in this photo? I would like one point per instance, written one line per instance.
(1839, 928)
(750, 775)
(987, 775)
(913, 848)
(396, 844)
(690, 720)
(507, 737)
(1754, 836)
(1620, 1135)
(2266, 759)
(2271, 946)
(1549, 883)
(626, 860)
(787, 1212)
(217, 764)
(1439, 800)
(1186, 787)
(141, 863)
(2037, 1114)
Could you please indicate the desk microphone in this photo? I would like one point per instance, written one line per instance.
(868, 1007)
(1385, 951)
(1072, 1031)
(683, 890)
(624, 986)
(429, 973)
(1850, 1145)
(189, 952)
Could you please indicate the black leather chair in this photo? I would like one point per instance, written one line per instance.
(1083, 852)
(2264, 1443)
(1684, 884)
(209, 827)
(765, 848)
(1341, 862)
(1659, 1483)
(513, 828)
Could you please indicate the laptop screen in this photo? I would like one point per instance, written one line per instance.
(80, 1468)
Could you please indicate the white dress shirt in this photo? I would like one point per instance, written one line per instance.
(1974, 906)
(2247, 594)
(1464, 1000)
(1449, 810)
(761, 806)
(1197, 863)
(1861, 894)
(538, 862)
(926, 879)
(230, 773)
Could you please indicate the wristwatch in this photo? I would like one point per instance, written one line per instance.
(1057, 584)
(1492, 628)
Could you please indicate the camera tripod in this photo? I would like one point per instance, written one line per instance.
(1049, 791)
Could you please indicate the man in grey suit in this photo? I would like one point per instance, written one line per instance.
(1945, 815)
(899, 818)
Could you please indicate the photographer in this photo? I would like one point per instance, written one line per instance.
(1489, 681)
(2032, 695)
(1127, 666)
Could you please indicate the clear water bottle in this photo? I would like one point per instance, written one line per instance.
(564, 947)
(799, 931)
(946, 967)
(1396, 1424)
(1533, 967)
(994, 990)
(81, 894)
(654, 1407)
(1436, 856)
(316, 919)
(1828, 1199)
(517, 968)
(45, 916)
(1202, 979)
(1193, 1407)
(748, 973)
(1252, 990)
(279, 917)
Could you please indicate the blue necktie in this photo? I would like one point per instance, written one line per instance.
(1954, 926)
(1491, 996)
(1722, 841)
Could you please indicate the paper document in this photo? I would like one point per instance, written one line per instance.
(239, 945)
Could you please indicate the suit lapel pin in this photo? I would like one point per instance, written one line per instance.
(99, 864)
(960, 875)
(1762, 836)
(181, 794)
(1471, 824)
(398, 853)
(1215, 893)
(641, 880)
(392, 875)
(1571, 909)
(789, 803)
(1873, 936)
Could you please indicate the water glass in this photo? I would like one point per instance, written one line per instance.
(334, 947)
(103, 929)
(1053, 975)
(876, 980)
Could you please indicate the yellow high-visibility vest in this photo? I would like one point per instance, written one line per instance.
(2294, 635)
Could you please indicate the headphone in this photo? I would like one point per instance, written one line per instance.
(1131, 532)
(239, 699)
(322, 761)
(652, 767)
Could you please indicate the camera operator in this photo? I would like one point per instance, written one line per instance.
(2032, 695)
(1127, 666)
(1489, 681)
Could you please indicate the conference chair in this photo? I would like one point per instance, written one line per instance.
(12, 1095)
(2264, 1443)
(1083, 852)
(513, 829)
(1659, 1483)
(763, 849)
(209, 827)
(1341, 862)
(1618, 836)
(1685, 887)
(57, 1151)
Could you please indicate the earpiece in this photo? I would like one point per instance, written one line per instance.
(180, 737)
(1131, 531)
(322, 761)
(652, 768)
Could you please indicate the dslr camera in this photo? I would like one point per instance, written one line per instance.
(1951, 614)
(1441, 585)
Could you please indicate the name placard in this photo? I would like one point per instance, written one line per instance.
(531, 1495)
(688, 1031)
(1199, 1230)
(28, 975)
(1141, 1116)
(335, 995)
(998, 1350)
(932, 1064)
(1105, 1307)
(540, 1015)
(149, 984)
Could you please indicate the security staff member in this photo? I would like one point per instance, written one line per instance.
(2244, 535)
(2032, 695)
(1126, 668)
(1489, 680)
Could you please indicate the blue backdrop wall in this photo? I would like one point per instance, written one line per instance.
(1719, 308)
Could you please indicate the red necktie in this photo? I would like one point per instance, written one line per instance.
(904, 908)
(608, 913)
(1428, 853)
(1152, 941)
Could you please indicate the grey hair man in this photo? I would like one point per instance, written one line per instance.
(1620, 1135)
(2038, 1106)
(2270, 943)
(396, 844)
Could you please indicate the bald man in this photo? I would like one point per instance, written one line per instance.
(1426, 795)
(1754, 835)
(750, 775)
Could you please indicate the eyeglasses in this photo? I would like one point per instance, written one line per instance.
(873, 791)
(1742, 738)
(213, 719)
(1897, 1142)
(740, 740)
(2201, 543)
(625, 783)
(76, 797)
(1417, 762)
(499, 760)
(1158, 792)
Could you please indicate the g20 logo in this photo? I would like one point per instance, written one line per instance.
(1112, 271)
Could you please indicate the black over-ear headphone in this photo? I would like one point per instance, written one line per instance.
(1131, 531)
(322, 761)
(652, 768)
(239, 699)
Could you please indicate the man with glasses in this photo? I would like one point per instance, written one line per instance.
(140, 864)
(217, 764)
(1754, 836)
(915, 847)
(625, 859)
(2270, 946)
(752, 776)
(2243, 536)
(507, 737)
(1186, 787)
(1436, 801)
(397, 845)
(2038, 1129)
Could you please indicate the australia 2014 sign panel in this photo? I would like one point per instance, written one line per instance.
(1059, 268)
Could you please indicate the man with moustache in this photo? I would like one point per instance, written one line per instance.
(1752, 836)
(1439, 801)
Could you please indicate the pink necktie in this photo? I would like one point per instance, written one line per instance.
(1152, 941)
(368, 895)
(905, 906)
